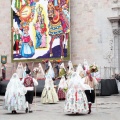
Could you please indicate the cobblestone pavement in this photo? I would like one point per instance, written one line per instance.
(106, 108)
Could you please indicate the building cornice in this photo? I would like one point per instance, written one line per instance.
(114, 19)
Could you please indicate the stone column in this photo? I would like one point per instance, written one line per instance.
(116, 50)
(115, 22)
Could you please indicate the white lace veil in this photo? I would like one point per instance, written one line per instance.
(70, 66)
(20, 70)
(62, 83)
(51, 71)
(41, 68)
(20, 66)
(76, 82)
(62, 66)
(14, 87)
(79, 69)
(49, 82)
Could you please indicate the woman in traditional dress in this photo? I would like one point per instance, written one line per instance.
(20, 70)
(85, 66)
(50, 70)
(62, 70)
(40, 73)
(15, 95)
(70, 67)
(24, 72)
(27, 49)
(61, 88)
(49, 94)
(26, 68)
(80, 70)
(76, 100)
(70, 70)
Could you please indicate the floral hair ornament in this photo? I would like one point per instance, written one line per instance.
(93, 68)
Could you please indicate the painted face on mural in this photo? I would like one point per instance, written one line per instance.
(17, 31)
(39, 17)
(26, 30)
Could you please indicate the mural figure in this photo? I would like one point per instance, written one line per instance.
(55, 29)
(38, 31)
(41, 29)
(16, 40)
(58, 25)
(27, 49)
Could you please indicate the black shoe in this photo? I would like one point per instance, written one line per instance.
(14, 112)
(26, 110)
(89, 111)
(30, 111)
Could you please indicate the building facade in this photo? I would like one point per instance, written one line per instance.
(94, 34)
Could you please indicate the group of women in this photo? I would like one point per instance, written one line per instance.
(76, 87)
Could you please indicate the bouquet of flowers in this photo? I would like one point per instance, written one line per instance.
(65, 89)
(93, 68)
(36, 70)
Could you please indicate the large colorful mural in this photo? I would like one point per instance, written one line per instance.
(40, 29)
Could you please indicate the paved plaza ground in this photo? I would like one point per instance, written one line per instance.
(107, 108)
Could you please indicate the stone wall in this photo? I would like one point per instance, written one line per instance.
(91, 31)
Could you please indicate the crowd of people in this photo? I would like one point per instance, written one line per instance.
(76, 87)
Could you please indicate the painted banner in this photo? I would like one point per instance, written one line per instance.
(40, 29)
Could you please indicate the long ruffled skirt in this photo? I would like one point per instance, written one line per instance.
(15, 103)
(49, 96)
(61, 94)
(76, 102)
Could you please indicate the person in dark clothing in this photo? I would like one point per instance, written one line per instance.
(90, 93)
(3, 71)
(29, 83)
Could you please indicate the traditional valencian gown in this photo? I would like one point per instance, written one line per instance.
(41, 73)
(80, 70)
(70, 71)
(76, 100)
(62, 84)
(50, 70)
(49, 94)
(15, 95)
(62, 70)
(20, 70)
(62, 87)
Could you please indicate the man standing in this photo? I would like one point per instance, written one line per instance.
(29, 83)
(3, 71)
(90, 92)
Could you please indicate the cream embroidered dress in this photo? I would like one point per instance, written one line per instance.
(49, 94)
(76, 100)
(15, 95)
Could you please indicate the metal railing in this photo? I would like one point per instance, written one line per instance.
(107, 72)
